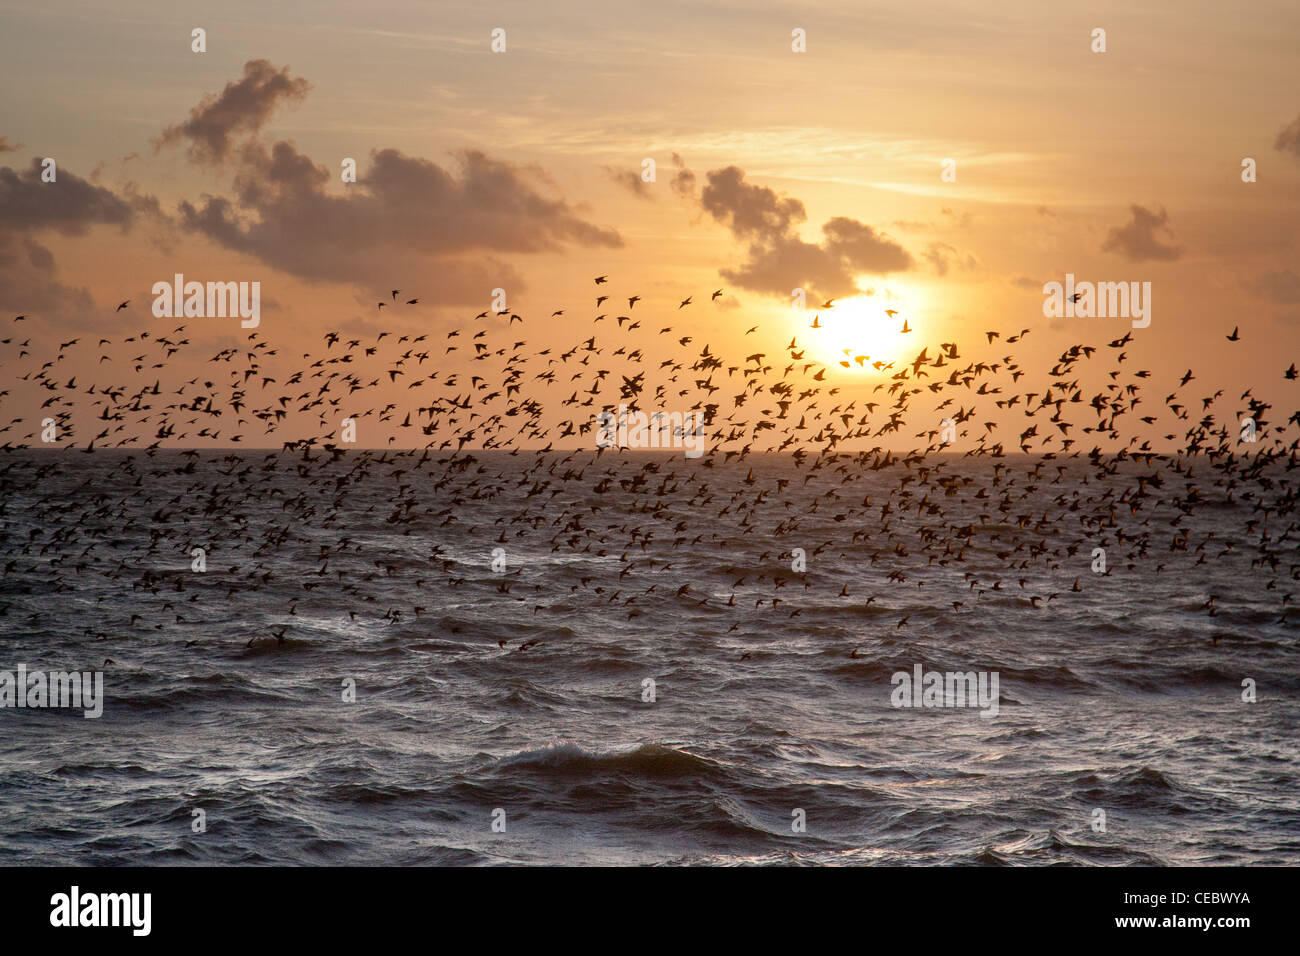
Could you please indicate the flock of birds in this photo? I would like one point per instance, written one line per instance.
(487, 444)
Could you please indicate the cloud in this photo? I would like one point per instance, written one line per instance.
(70, 204)
(244, 106)
(1138, 241)
(28, 283)
(1025, 282)
(788, 263)
(683, 181)
(406, 219)
(405, 215)
(1288, 140)
(862, 248)
(8, 147)
(778, 260)
(631, 181)
(751, 212)
(401, 213)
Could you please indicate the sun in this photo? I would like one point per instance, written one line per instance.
(860, 331)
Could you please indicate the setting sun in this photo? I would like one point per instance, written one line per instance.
(860, 331)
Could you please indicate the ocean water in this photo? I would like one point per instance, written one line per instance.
(520, 694)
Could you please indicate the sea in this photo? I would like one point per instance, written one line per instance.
(636, 658)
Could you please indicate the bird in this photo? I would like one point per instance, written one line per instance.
(1234, 336)
(122, 306)
(486, 447)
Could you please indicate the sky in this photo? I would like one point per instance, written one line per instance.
(774, 170)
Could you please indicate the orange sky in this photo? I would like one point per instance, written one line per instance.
(521, 170)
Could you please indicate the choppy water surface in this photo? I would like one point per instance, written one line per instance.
(1123, 695)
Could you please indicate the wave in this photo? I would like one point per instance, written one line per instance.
(650, 761)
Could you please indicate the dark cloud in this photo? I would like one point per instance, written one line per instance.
(862, 248)
(70, 204)
(1288, 140)
(778, 260)
(1138, 241)
(404, 215)
(751, 212)
(778, 267)
(401, 212)
(243, 107)
(405, 220)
